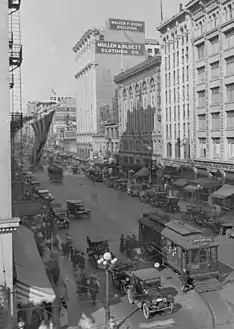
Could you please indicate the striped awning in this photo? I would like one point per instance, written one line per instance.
(32, 283)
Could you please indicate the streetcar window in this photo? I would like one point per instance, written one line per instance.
(203, 256)
(213, 254)
(163, 242)
(194, 258)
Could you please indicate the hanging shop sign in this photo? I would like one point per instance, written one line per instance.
(120, 48)
(126, 25)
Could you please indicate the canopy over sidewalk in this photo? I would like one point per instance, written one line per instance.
(224, 192)
(32, 284)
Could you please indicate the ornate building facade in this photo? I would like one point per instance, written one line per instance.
(140, 134)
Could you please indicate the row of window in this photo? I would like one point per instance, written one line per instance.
(177, 112)
(215, 121)
(215, 148)
(215, 95)
(176, 95)
(145, 101)
(176, 42)
(129, 144)
(214, 45)
(177, 59)
(138, 90)
(214, 20)
(174, 77)
(215, 70)
(177, 130)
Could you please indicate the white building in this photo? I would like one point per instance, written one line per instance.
(176, 86)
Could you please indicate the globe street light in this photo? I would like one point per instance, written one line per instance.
(107, 261)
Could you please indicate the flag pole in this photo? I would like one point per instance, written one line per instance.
(161, 10)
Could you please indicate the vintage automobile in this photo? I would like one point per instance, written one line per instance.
(45, 194)
(75, 169)
(97, 177)
(147, 196)
(76, 210)
(145, 291)
(159, 199)
(55, 173)
(134, 190)
(120, 275)
(223, 224)
(111, 181)
(97, 246)
(121, 184)
(61, 218)
(195, 214)
(171, 204)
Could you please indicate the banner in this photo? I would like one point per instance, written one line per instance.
(126, 25)
(118, 48)
(41, 129)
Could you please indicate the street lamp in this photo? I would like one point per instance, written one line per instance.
(107, 261)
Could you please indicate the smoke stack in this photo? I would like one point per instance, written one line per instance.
(181, 7)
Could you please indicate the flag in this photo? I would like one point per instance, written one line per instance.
(41, 129)
(53, 92)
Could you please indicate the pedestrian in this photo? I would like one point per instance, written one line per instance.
(93, 287)
(63, 314)
(122, 244)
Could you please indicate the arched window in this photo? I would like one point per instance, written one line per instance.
(152, 92)
(125, 94)
(145, 94)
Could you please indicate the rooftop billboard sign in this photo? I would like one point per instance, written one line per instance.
(126, 25)
(120, 48)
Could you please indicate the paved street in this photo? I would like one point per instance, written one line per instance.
(114, 213)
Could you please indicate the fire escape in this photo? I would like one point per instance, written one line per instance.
(15, 60)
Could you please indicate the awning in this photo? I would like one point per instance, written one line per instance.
(143, 172)
(207, 183)
(181, 182)
(32, 284)
(190, 188)
(224, 192)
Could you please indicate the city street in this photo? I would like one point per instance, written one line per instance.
(114, 213)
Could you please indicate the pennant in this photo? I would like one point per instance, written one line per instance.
(41, 129)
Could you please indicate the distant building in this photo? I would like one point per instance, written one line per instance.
(102, 53)
(140, 132)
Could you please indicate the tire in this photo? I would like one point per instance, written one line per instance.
(146, 311)
(130, 298)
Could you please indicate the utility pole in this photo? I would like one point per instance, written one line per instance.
(7, 224)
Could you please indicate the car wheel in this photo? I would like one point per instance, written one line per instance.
(130, 297)
(146, 311)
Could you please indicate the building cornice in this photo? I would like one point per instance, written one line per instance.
(8, 225)
(88, 66)
(84, 38)
(156, 60)
(164, 24)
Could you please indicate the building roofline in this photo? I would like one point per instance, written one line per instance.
(191, 3)
(87, 34)
(170, 20)
(151, 41)
(137, 69)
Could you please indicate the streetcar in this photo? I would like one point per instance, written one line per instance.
(180, 246)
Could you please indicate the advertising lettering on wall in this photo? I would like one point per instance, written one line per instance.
(126, 25)
(118, 48)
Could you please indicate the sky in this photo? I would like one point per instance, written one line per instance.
(50, 28)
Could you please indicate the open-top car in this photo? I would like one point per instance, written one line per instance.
(145, 291)
(61, 218)
(45, 194)
(97, 246)
(76, 210)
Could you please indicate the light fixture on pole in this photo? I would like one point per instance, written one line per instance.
(107, 261)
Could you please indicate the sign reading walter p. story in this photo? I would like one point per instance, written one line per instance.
(118, 48)
(127, 25)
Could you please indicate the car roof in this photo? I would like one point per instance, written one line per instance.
(75, 201)
(147, 274)
(59, 211)
(95, 238)
(43, 191)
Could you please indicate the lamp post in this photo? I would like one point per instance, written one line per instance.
(106, 261)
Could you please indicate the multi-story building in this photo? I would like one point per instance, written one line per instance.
(102, 53)
(7, 223)
(212, 101)
(152, 47)
(176, 87)
(140, 135)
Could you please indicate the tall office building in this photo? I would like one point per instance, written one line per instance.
(102, 53)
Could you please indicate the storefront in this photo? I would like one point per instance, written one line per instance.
(34, 295)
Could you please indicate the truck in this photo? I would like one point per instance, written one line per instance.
(55, 173)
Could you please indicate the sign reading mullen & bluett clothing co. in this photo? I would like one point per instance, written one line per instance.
(118, 48)
(126, 25)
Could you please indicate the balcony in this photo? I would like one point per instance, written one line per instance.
(14, 4)
(15, 56)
